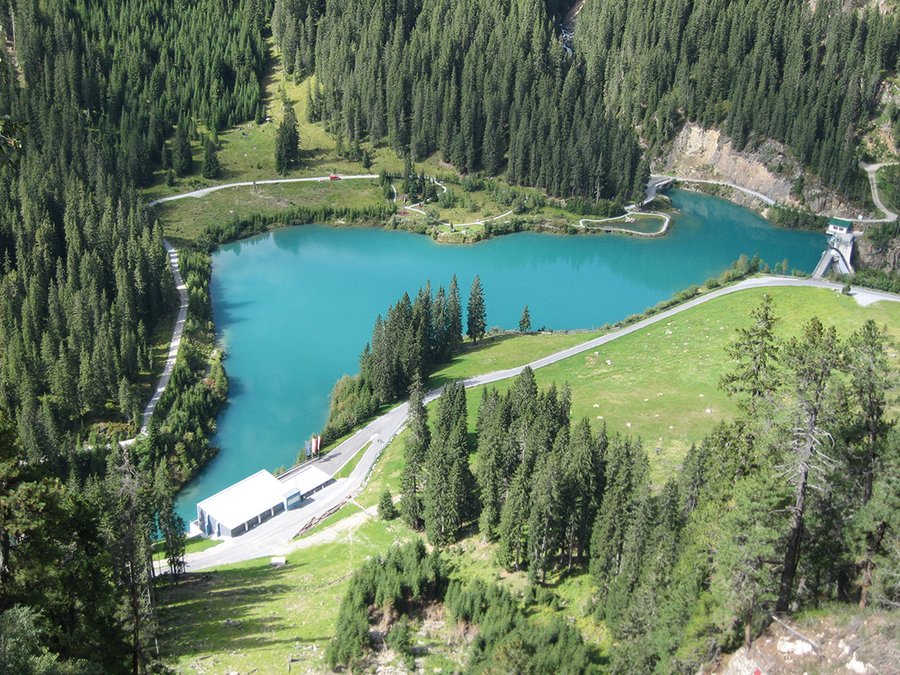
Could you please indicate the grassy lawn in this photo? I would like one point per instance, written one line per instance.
(252, 617)
(506, 351)
(387, 472)
(347, 469)
(192, 545)
(186, 219)
(343, 512)
(662, 383)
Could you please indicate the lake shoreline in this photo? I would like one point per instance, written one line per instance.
(358, 271)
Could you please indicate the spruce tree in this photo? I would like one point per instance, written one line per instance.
(287, 142)
(453, 318)
(525, 321)
(211, 166)
(386, 508)
(450, 494)
(475, 324)
(182, 162)
(417, 443)
(810, 361)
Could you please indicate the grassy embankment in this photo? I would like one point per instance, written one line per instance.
(192, 545)
(253, 616)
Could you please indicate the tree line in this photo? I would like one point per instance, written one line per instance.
(414, 336)
(486, 85)
(791, 504)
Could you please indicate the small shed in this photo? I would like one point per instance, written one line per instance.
(839, 226)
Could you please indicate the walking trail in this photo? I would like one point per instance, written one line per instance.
(175, 342)
(871, 170)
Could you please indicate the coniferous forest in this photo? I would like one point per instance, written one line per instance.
(96, 96)
(792, 504)
(94, 92)
(489, 85)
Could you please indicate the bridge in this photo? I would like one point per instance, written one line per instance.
(655, 185)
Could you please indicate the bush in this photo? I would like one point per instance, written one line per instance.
(400, 640)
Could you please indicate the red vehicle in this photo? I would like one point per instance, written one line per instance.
(334, 176)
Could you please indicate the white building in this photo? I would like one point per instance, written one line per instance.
(241, 507)
(839, 226)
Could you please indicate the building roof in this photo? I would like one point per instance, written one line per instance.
(244, 500)
(840, 222)
(304, 481)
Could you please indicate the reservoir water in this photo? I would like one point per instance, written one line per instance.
(294, 308)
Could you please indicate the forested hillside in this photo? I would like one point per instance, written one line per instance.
(807, 77)
(792, 504)
(95, 91)
(488, 85)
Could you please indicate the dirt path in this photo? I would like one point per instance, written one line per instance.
(177, 333)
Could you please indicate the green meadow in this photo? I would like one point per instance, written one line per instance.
(662, 381)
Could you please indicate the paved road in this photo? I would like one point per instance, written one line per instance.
(660, 232)
(253, 183)
(269, 538)
(752, 193)
(872, 170)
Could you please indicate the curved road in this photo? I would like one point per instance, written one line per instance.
(273, 536)
(871, 170)
(752, 193)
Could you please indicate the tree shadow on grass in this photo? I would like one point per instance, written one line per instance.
(439, 379)
(222, 611)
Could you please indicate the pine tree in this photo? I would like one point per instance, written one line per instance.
(386, 508)
(525, 321)
(475, 324)
(453, 317)
(810, 361)
(417, 443)
(450, 489)
(546, 516)
(211, 166)
(495, 461)
(287, 142)
(182, 161)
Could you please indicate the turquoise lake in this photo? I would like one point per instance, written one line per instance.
(294, 308)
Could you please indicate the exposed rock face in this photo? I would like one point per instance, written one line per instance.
(768, 168)
(863, 643)
(889, 260)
